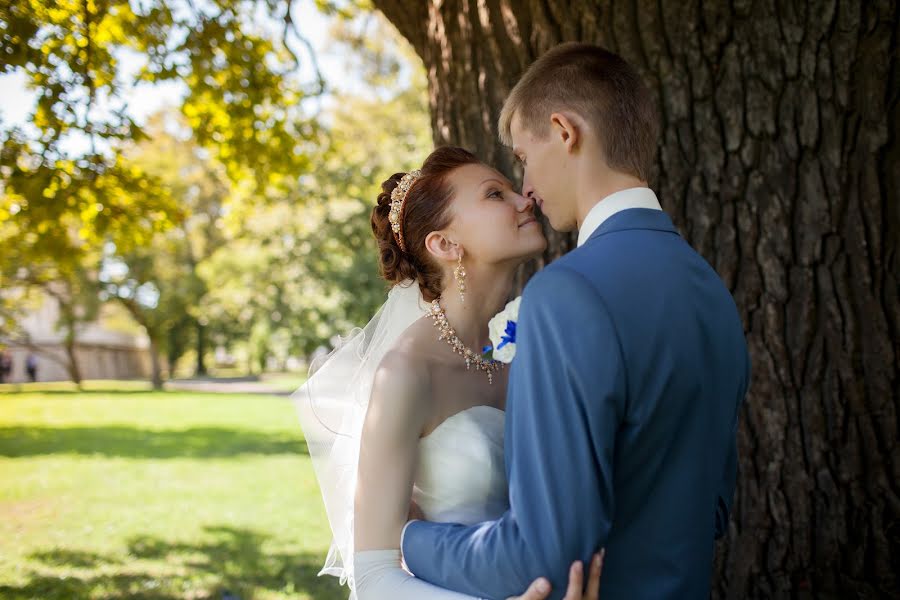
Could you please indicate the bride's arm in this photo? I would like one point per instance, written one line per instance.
(397, 413)
(396, 416)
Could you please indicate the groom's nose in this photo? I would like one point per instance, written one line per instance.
(527, 188)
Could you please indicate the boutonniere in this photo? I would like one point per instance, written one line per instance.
(502, 330)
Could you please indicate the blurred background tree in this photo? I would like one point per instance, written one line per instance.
(158, 282)
(238, 218)
(312, 246)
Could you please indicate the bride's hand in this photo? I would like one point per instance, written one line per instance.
(540, 588)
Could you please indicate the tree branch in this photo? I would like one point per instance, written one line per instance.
(291, 27)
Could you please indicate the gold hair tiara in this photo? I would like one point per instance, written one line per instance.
(398, 199)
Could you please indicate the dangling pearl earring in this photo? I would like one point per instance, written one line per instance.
(459, 273)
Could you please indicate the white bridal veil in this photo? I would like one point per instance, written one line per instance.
(332, 406)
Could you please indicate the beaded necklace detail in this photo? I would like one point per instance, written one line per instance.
(447, 333)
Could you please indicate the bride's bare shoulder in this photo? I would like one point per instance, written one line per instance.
(413, 351)
(403, 375)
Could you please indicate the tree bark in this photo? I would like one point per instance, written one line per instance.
(779, 162)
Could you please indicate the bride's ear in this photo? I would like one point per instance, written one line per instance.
(441, 247)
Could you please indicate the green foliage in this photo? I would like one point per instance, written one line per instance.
(237, 216)
(306, 264)
(242, 102)
(158, 282)
(243, 96)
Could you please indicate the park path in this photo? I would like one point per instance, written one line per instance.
(235, 385)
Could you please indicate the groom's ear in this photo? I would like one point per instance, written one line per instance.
(567, 129)
(441, 247)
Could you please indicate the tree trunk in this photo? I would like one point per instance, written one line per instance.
(155, 366)
(779, 162)
(176, 343)
(201, 349)
(72, 363)
(172, 354)
(70, 342)
(154, 335)
(69, 322)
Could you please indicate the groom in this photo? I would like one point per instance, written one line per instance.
(631, 364)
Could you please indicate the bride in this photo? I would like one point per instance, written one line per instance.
(406, 417)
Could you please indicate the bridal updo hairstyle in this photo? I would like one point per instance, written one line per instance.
(426, 209)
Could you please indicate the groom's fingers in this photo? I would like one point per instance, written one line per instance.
(593, 587)
(576, 581)
(538, 590)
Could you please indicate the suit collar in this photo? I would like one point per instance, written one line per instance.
(637, 197)
(636, 218)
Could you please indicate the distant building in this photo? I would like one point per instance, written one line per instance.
(102, 352)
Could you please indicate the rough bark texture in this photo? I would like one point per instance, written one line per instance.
(779, 162)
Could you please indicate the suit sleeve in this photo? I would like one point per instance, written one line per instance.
(726, 493)
(566, 400)
(730, 473)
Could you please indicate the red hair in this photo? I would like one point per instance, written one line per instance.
(426, 209)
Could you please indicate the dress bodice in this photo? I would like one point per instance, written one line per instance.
(461, 477)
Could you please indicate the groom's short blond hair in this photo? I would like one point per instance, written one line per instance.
(601, 88)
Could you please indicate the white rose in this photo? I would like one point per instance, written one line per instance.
(497, 329)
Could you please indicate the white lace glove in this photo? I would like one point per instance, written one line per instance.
(380, 576)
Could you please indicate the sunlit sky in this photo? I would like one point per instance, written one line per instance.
(18, 101)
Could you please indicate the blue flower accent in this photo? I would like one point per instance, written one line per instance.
(509, 336)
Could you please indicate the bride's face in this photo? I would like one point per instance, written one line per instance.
(491, 221)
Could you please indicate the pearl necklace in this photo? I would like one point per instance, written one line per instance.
(447, 333)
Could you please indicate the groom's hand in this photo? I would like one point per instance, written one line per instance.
(540, 587)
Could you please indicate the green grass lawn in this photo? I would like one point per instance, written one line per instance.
(122, 492)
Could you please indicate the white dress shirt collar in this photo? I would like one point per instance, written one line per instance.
(638, 197)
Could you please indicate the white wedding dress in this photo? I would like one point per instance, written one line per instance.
(461, 478)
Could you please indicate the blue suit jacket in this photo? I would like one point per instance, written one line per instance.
(623, 402)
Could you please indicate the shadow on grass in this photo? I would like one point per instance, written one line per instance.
(131, 442)
(228, 558)
(63, 557)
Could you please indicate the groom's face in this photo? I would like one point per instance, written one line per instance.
(546, 179)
